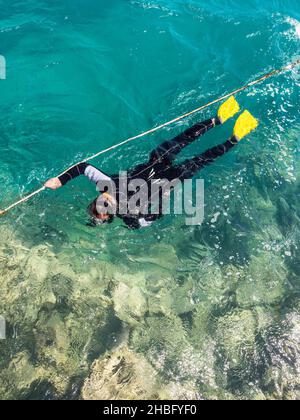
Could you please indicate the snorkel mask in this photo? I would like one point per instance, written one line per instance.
(104, 205)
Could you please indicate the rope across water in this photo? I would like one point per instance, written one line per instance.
(153, 130)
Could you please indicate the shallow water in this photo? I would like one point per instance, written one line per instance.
(214, 309)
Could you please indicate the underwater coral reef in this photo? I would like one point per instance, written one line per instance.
(178, 323)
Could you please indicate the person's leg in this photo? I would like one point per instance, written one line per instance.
(245, 124)
(171, 148)
(191, 167)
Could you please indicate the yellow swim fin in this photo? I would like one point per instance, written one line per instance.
(245, 124)
(228, 109)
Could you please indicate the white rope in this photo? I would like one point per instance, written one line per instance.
(155, 129)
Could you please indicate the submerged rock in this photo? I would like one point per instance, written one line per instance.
(162, 339)
(126, 375)
(20, 371)
(162, 255)
(165, 344)
(281, 350)
(130, 304)
(236, 334)
(264, 281)
(122, 375)
(57, 320)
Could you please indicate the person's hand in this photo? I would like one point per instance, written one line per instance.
(53, 184)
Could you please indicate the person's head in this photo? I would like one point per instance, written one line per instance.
(102, 209)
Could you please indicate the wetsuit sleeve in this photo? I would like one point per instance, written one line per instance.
(92, 173)
(136, 222)
(132, 222)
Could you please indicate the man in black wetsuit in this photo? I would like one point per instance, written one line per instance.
(160, 166)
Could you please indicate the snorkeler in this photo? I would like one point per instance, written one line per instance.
(160, 166)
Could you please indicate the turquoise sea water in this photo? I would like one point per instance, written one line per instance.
(214, 309)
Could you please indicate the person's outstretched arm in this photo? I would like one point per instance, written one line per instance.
(92, 173)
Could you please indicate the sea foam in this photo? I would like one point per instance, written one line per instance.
(296, 24)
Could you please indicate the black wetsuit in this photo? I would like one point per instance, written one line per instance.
(160, 166)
